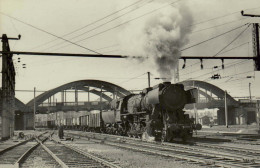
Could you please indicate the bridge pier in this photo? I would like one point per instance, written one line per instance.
(241, 116)
(258, 112)
(238, 116)
(231, 116)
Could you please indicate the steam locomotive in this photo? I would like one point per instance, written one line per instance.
(155, 112)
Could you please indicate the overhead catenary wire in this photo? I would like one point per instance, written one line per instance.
(105, 47)
(218, 17)
(239, 81)
(199, 62)
(132, 78)
(233, 82)
(232, 40)
(150, 1)
(234, 48)
(219, 53)
(42, 30)
(186, 68)
(194, 45)
(92, 23)
(98, 26)
(121, 24)
(217, 70)
(223, 77)
(128, 7)
(223, 24)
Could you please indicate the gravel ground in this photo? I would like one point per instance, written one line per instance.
(231, 128)
(131, 159)
(245, 146)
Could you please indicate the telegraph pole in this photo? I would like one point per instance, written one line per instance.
(34, 107)
(101, 108)
(250, 91)
(226, 109)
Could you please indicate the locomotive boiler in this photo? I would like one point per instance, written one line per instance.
(155, 112)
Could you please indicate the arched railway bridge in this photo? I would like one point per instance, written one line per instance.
(46, 101)
(210, 96)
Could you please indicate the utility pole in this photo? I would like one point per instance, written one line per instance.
(101, 108)
(226, 109)
(195, 108)
(76, 98)
(7, 104)
(88, 94)
(34, 107)
(250, 91)
(149, 80)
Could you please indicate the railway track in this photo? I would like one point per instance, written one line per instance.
(43, 152)
(201, 153)
(38, 157)
(12, 155)
(69, 156)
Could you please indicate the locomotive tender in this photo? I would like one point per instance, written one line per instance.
(156, 112)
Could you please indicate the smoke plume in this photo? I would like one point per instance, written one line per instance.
(160, 37)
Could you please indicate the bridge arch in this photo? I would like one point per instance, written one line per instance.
(209, 88)
(20, 106)
(82, 85)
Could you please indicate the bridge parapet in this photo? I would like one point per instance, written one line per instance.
(248, 103)
(210, 104)
(73, 106)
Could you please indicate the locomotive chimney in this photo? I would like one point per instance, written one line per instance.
(167, 83)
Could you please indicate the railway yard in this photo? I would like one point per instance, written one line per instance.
(130, 84)
(89, 149)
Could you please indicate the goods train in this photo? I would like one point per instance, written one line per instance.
(156, 112)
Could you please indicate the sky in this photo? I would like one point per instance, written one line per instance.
(129, 27)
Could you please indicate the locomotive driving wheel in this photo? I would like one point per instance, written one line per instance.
(185, 135)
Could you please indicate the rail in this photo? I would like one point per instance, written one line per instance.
(222, 157)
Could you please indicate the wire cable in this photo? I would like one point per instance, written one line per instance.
(234, 47)
(213, 38)
(98, 26)
(223, 77)
(217, 70)
(49, 33)
(150, 12)
(132, 78)
(196, 31)
(232, 41)
(107, 16)
(218, 17)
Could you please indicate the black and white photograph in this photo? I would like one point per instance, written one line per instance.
(130, 83)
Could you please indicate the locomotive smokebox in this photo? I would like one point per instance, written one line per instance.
(170, 96)
(173, 97)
